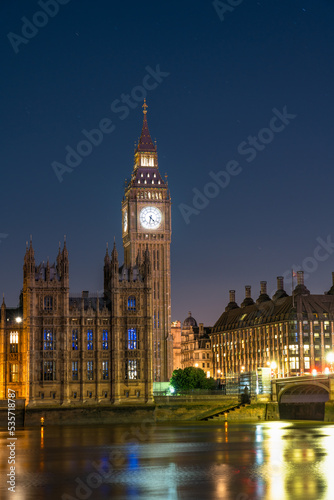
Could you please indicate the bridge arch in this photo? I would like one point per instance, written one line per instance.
(303, 401)
(306, 392)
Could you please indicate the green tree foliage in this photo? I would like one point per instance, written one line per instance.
(191, 378)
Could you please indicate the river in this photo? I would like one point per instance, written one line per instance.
(264, 461)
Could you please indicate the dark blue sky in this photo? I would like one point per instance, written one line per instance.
(225, 78)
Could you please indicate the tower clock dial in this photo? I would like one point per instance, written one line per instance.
(150, 217)
(125, 221)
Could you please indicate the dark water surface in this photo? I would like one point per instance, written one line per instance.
(271, 461)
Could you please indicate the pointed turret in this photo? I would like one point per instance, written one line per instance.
(47, 271)
(3, 312)
(29, 261)
(106, 257)
(114, 266)
(145, 144)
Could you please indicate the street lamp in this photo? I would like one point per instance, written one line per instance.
(330, 359)
(273, 366)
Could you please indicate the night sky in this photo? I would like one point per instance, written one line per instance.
(224, 76)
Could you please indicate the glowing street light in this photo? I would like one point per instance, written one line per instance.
(314, 372)
(330, 359)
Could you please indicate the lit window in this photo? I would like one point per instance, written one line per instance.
(105, 340)
(89, 340)
(74, 340)
(131, 303)
(132, 369)
(14, 372)
(132, 338)
(14, 341)
(74, 370)
(49, 340)
(105, 370)
(89, 370)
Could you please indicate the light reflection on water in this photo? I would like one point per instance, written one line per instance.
(266, 461)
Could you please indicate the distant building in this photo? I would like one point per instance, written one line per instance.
(292, 334)
(196, 346)
(176, 335)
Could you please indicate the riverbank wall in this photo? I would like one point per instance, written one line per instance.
(164, 409)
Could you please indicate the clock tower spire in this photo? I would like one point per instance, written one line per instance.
(146, 216)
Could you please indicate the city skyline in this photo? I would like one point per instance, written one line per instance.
(266, 180)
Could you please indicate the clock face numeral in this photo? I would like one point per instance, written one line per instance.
(150, 218)
(125, 221)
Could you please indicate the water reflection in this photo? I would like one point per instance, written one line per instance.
(268, 461)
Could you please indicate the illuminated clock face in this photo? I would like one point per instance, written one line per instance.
(150, 217)
(125, 221)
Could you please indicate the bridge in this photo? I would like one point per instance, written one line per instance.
(306, 397)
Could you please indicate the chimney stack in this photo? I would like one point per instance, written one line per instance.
(232, 295)
(247, 292)
(280, 283)
(300, 277)
(263, 287)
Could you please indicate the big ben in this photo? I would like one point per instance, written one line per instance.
(146, 224)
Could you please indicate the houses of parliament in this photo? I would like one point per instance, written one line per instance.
(59, 349)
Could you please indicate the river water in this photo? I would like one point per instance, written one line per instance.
(271, 461)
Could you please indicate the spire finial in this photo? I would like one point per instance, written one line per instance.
(145, 107)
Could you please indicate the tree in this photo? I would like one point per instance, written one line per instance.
(191, 378)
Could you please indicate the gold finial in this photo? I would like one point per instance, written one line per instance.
(145, 107)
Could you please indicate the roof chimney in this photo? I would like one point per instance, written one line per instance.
(232, 295)
(248, 292)
(263, 287)
(280, 283)
(300, 277)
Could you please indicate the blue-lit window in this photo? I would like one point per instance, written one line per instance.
(89, 370)
(74, 340)
(131, 303)
(105, 370)
(132, 369)
(158, 320)
(154, 321)
(74, 370)
(132, 338)
(89, 340)
(105, 340)
(49, 340)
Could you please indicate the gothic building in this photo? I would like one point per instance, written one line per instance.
(57, 349)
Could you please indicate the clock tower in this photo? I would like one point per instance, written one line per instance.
(146, 224)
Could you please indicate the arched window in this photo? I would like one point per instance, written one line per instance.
(14, 341)
(131, 303)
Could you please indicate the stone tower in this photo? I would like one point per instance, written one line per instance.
(146, 224)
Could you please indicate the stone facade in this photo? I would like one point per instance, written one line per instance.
(58, 349)
(146, 213)
(196, 346)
